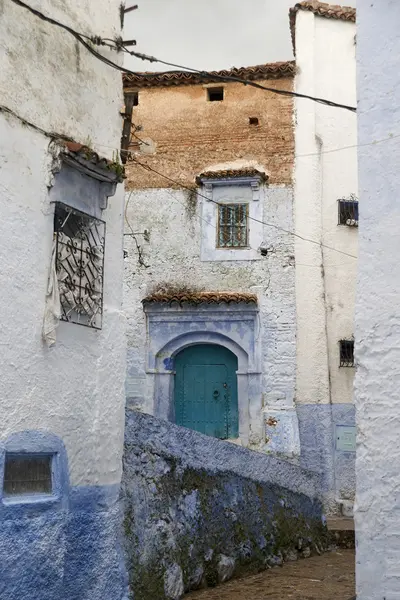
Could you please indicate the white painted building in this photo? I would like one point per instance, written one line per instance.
(326, 211)
(295, 392)
(377, 306)
(210, 281)
(62, 336)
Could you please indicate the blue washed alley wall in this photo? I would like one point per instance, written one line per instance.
(199, 510)
(62, 547)
(317, 424)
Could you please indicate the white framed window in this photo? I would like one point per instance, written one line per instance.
(232, 211)
(233, 226)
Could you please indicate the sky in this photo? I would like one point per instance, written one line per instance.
(210, 34)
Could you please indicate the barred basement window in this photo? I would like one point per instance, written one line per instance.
(80, 265)
(346, 353)
(27, 475)
(348, 212)
(233, 225)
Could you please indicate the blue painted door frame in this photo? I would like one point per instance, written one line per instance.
(206, 397)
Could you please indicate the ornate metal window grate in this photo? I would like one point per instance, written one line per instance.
(233, 225)
(348, 212)
(27, 475)
(346, 353)
(80, 264)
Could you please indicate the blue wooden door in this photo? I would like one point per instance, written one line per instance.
(206, 390)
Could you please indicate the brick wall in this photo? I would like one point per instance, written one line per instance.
(185, 133)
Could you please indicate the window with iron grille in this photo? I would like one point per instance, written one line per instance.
(233, 225)
(346, 353)
(27, 475)
(80, 242)
(348, 212)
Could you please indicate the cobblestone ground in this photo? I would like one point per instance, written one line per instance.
(327, 577)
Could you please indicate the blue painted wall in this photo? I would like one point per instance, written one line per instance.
(194, 504)
(317, 424)
(61, 547)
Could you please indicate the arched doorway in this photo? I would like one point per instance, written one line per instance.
(206, 396)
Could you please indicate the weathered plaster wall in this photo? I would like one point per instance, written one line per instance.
(172, 255)
(377, 308)
(187, 133)
(199, 511)
(325, 280)
(55, 66)
(66, 546)
(73, 391)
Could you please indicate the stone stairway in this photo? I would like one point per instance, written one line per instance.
(342, 532)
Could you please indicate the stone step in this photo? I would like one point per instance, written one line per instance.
(342, 532)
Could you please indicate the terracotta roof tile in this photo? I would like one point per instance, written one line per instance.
(231, 173)
(201, 298)
(321, 9)
(84, 154)
(268, 71)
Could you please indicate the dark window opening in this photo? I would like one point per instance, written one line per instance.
(215, 94)
(27, 475)
(348, 212)
(346, 353)
(253, 121)
(233, 226)
(80, 241)
(133, 98)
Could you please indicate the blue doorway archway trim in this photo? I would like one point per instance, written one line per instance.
(235, 327)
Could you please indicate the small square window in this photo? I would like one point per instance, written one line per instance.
(80, 242)
(348, 212)
(233, 225)
(346, 353)
(215, 94)
(253, 121)
(27, 475)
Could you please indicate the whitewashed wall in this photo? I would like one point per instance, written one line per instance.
(377, 307)
(75, 389)
(325, 280)
(67, 400)
(173, 255)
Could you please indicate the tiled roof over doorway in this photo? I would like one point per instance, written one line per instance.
(201, 298)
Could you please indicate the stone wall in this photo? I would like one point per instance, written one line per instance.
(199, 511)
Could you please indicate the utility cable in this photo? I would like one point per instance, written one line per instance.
(62, 136)
(249, 82)
(119, 46)
(278, 227)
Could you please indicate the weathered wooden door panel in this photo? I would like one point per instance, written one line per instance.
(206, 390)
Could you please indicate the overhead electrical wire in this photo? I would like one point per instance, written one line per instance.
(273, 225)
(55, 136)
(119, 46)
(249, 82)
